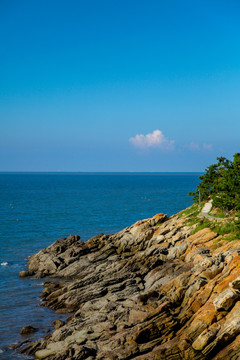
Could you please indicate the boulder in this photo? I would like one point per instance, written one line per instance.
(26, 330)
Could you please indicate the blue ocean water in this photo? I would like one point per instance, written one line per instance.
(38, 208)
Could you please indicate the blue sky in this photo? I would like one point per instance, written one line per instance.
(118, 85)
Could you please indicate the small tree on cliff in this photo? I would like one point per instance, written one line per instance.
(221, 183)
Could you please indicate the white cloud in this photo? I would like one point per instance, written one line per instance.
(207, 147)
(193, 146)
(154, 139)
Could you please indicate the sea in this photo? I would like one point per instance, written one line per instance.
(38, 208)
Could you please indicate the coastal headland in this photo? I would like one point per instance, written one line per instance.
(163, 288)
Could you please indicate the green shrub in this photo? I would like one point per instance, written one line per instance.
(221, 183)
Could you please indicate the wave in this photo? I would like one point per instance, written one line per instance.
(5, 263)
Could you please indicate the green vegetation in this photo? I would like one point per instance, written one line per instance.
(201, 224)
(228, 229)
(192, 210)
(218, 245)
(217, 213)
(221, 183)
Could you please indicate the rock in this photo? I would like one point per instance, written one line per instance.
(151, 291)
(225, 300)
(235, 284)
(25, 273)
(26, 330)
(205, 337)
(58, 323)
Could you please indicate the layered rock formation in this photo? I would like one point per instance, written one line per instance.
(151, 291)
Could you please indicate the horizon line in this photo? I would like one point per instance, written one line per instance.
(101, 172)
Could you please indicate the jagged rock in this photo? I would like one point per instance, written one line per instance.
(151, 291)
(206, 336)
(225, 300)
(235, 284)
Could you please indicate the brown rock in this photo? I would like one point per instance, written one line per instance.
(205, 337)
(58, 323)
(26, 330)
(25, 273)
(225, 299)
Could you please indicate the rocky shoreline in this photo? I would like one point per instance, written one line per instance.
(155, 290)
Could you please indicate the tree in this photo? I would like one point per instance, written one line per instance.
(221, 183)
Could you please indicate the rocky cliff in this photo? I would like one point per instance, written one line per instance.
(155, 290)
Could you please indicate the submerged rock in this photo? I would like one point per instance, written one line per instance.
(151, 291)
(25, 273)
(26, 330)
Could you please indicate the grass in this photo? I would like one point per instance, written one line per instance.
(202, 224)
(225, 228)
(218, 213)
(217, 246)
(229, 230)
(232, 237)
(190, 211)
